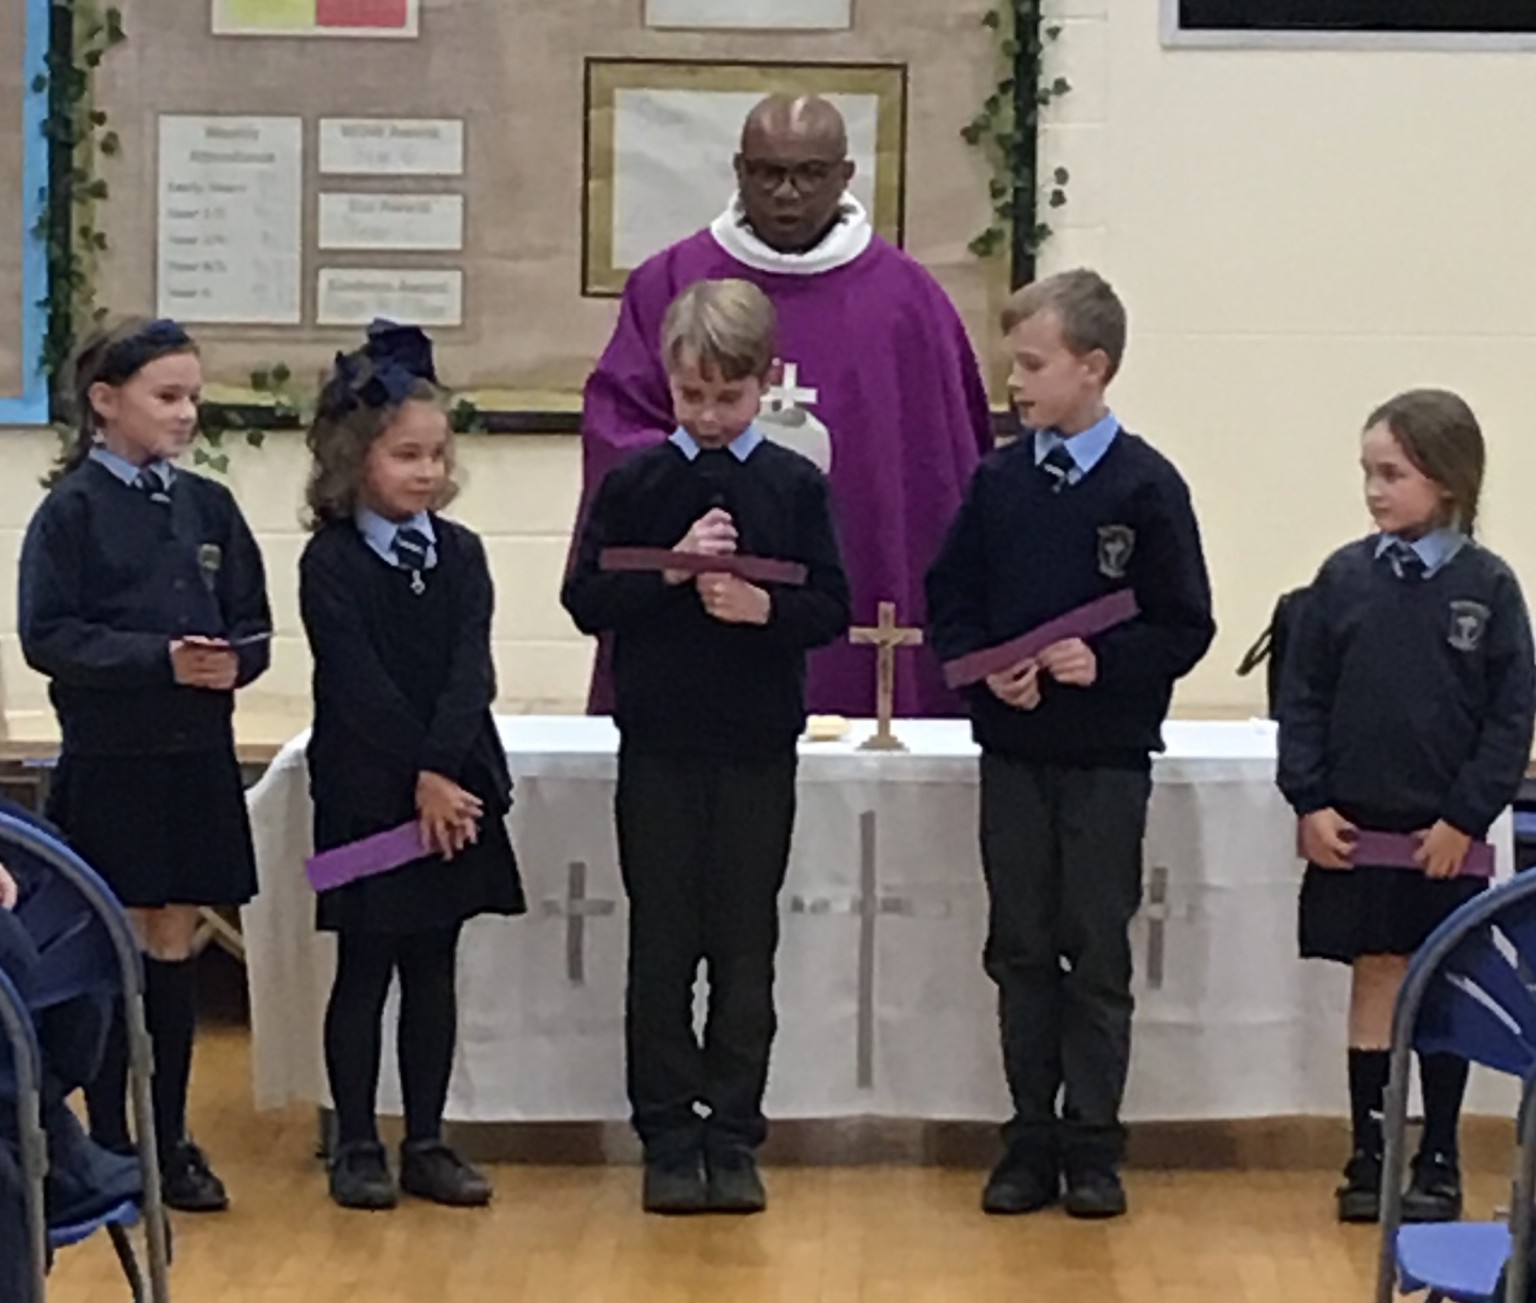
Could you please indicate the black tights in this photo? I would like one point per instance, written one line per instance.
(365, 962)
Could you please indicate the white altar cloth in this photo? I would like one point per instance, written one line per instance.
(884, 1008)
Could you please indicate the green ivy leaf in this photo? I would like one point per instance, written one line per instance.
(281, 375)
(255, 438)
(220, 464)
(39, 83)
(261, 381)
(200, 455)
(98, 118)
(110, 144)
(97, 190)
(993, 18)
(1061, 86)
(1058, 198)
(1062, 176)
(1053, 33)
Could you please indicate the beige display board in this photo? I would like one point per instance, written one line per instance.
(484, 116)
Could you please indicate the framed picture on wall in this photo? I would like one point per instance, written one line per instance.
(23, 209)
(661, 137)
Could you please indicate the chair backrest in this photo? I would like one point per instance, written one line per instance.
(20, 1058)
(1475, 981)
(84, 941)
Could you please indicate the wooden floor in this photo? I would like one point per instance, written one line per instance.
(833, 1235)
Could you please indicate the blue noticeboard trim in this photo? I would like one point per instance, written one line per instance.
(30, 407)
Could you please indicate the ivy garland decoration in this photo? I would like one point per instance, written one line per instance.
(1005, 128)
(81, 34)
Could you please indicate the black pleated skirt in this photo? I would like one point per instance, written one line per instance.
(1347, 913)
(162, 830)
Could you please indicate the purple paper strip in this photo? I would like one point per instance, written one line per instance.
(1393, 850)
(1096, 617)
(755, 569)
(367, 858)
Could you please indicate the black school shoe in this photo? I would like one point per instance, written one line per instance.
(1359, 1198)
(1094, 1193)
(360, 1177)
(1018, 1186)
(430, 1170)
(1434, 1193)
(732, 1183)
(674, 1186)
(188, 1184)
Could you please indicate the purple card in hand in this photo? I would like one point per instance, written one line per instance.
(1397, 850)
(367, 858)
(1085, 622)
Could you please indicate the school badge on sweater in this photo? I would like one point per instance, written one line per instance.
(1469, 622)
(1116, 545)
(210, 560)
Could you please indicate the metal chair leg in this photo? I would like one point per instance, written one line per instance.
(129, 1260)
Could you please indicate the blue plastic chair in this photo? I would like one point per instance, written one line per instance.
(86, 946)
(1470, 990)
(19, 1052)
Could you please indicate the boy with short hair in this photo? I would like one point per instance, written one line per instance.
(709, 669)
(1074, 511)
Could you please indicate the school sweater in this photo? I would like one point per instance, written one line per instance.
(1408, 701)
(1021, 553)
(686, 683)
(109, 577)
(390, 699)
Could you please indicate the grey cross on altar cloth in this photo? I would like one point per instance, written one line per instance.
(576, 907)
(870, 907)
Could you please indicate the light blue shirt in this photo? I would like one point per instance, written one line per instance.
(1086, 449)
(742, 446)
(1435, 549)
(379, 533)
(126, 471)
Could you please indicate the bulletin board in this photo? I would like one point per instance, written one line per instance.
(499, 250)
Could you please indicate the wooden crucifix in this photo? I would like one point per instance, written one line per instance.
(887, 636)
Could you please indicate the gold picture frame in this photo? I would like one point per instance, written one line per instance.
(607, 79)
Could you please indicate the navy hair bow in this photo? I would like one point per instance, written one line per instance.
(384, 372)
(130, 354)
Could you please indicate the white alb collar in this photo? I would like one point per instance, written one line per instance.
(844, 242)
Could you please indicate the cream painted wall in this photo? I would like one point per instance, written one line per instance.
(519, 493)
(1298, 235)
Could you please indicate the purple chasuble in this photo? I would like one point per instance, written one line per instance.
(878, 366)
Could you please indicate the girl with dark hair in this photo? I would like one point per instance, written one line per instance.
(143, 600)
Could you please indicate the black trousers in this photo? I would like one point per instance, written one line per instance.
(703, 849)
(1062, 853)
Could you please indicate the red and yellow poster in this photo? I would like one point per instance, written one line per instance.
(315, 17)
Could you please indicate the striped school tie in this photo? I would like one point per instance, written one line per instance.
(1406, 562)
(1058, 464)
(411, 548)
(152, 486)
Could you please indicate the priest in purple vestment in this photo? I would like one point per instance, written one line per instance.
(879, 383)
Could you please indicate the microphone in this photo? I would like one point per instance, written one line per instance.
(714, 475)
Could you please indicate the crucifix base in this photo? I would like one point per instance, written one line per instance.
(882, 742)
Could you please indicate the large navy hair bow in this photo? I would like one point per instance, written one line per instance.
(384, 372)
